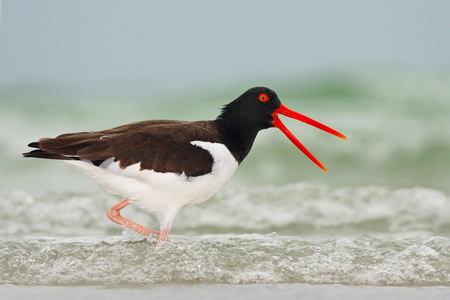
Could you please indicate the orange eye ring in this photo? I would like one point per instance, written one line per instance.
(263, 98)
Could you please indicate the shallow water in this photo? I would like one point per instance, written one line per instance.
(300, 234)
(363, 260)
(378, 223)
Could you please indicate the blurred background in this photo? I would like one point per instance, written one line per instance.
(377, 71)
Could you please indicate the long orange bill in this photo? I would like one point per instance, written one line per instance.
(295, 115)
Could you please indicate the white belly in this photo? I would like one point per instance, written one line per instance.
(163, 193)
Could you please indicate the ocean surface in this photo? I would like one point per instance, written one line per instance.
(376, 225)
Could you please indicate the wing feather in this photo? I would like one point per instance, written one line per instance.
(161, 146)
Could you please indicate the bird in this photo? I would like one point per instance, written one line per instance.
(165, 165)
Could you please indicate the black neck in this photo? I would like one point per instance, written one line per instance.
(238, 137)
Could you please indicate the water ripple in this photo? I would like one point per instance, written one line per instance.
(362, 260)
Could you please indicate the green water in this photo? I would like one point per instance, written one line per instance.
(378, 217)
(396, 124)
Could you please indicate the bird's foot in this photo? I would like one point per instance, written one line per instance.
(114, 215)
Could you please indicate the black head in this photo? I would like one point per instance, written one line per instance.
(252, 110)
(242, 119)
(256, 109)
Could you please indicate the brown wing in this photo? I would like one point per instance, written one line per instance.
(162, 146)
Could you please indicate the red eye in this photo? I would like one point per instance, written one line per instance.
(263, 98)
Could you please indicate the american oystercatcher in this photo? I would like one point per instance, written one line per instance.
(163, 165)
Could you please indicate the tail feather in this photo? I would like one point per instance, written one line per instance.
(34, 145)
(71, 146)
(69, 139)
(47, 155)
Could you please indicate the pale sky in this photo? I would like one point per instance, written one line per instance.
(169, 44)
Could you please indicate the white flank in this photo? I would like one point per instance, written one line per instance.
(163, 193)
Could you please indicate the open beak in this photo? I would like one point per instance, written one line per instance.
(295, 115)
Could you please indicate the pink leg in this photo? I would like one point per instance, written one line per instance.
(166, 224)
(114, 215)
(164, 234)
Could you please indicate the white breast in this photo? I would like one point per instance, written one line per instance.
(163, 193)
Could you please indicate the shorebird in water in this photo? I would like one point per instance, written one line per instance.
(164, 165)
